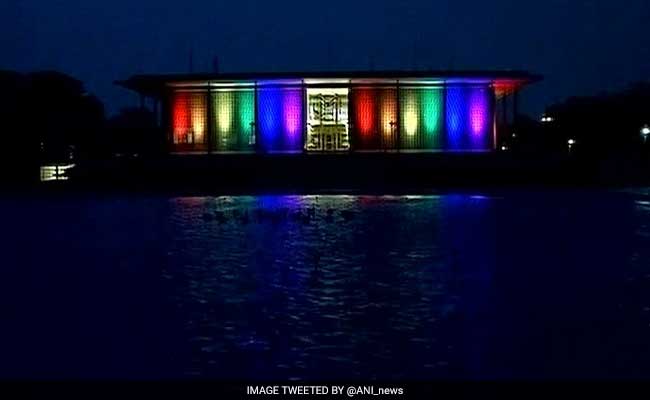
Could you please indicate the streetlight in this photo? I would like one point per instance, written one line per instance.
(547, 118)
(571, 143)
(645, 132)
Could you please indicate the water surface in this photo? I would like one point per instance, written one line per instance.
(520, 284)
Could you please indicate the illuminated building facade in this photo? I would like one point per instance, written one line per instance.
(333, 112)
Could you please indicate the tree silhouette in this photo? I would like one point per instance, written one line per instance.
(47, 117)
(67, 119)
(603, 124)
(134, 132)
(21, 151)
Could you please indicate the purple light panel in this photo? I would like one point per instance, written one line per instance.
(468, 118)
(479, 115)
(280, 119)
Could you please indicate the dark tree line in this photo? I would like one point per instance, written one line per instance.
(49, 117)
(610, 122)
(605, 125)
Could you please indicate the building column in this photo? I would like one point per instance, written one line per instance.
(210, 116)
(515, 111)
(166, 119)
(505, 127)
(505, 110)
(495, 120)
(155, 111)
(398, 117)
(445, 129)
(257, 146)
(305, 116)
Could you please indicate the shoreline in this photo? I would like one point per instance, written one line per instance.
(357, 174)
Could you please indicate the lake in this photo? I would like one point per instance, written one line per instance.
(519, 284)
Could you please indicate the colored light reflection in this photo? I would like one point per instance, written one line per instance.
(505, 87)
(281, 118)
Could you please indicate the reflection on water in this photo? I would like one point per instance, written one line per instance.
(325, 286)
(528, 285)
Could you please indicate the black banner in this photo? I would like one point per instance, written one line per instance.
(321, 390)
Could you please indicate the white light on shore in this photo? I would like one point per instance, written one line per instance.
(56, 172)
(645, 131)
(571, 143)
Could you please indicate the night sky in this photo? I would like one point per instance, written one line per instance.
(580, 46)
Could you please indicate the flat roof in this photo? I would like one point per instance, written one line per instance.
(505, 81)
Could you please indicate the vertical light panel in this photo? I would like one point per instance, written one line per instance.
(411, 114)
(421, 114)
(456, 117)
(411, 134)
(431, 100)
(181, 125)
(189, 118)
(468, 118)
(224, 104)
(198, 111)
(246, 119)
(269, 117)
(388, 117)
(293, 120)
(374, 112)
(327, 119)
(365, 112)
(234, 111)
(479, 114)
(280, 119)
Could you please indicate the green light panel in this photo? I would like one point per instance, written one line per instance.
(421, 119)
(233, 119)
(246, 114)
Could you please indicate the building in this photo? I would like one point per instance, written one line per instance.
(422, 111)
